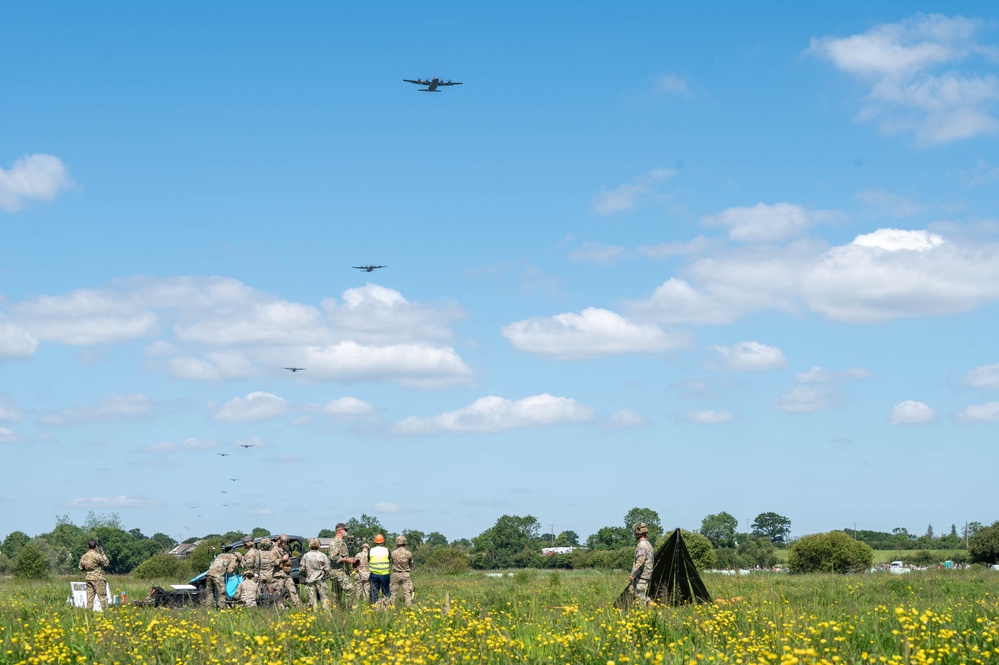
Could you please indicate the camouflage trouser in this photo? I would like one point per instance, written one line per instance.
(96, 588)
(318, 589)
(402, 580)
(640, 591)
(214, 591)
(341, 587)
(362, 589)
(285, 585)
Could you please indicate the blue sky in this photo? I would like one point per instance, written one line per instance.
(697, 259)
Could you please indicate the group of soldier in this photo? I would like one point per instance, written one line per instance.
(371, 573)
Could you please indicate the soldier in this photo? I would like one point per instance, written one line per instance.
(224, 565)
(266, 565)
(251, 558)
(282, 574)
(315, 565)
(92, 562)
(641, 571)
(362, 582)
(402, 565)
(340, 566)
(246, 592)
(378, 564)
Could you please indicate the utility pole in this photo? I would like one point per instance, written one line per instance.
(553, 535)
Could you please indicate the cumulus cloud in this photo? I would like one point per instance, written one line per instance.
(627, 196)
(112, 409)
(914, 82)
(980, 413)
(767, 223)
(348, 406)
(591, 333)
(16, 342)
(375, 314)
(418, 364)
(256, 406)
(497, 414)
(911, 412)
(671, 84)
(879, 276)
(121, 501)
(188, 445)
(37, 177)
(624, 419)
(817, 389)
(8, 436)
(709, 417)
(751, 357)
(986, 376)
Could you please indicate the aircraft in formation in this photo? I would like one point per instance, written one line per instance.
(250, 445)
(369, 268)
(293, 370)
(223, 454)
(432, 84)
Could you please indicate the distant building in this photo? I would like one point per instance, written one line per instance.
(549, 551)
(183, 549)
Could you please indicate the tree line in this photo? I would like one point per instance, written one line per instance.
(512, 542)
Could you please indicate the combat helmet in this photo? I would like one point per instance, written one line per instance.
(400, 541)
(265, 542)
(641, 529)
(314, 544)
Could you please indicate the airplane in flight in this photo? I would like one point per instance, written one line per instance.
(223, 454)
(234, 479)
(292, 370)
(369, 268)
(432, 84)
(250, 445)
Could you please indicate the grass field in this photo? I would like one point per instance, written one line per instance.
(537, 617)
(887, 556)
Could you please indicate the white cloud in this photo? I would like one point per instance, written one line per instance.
(886, 203)
(983, 174)
(16, 342)
(261, 512)
(986, 376)
(667, 250)
(708, 417)
(880, 276)
(375, 314)
(911, 412)
(671, 84)
(112, 409)
(120, 501)
(84, 317)
(256, 406)
(387, 507)
(9, 411)
(914, 84)
(767, 223)
(274, 322)
(8, 436)
(36, 177)
(751, 357)
(496, 414)
(217, 365)
(980, 413)
(816, 389)
(624, 419)
(591, 333)
(626, 196)
(348, 406)
(420, 365)
(591, 252)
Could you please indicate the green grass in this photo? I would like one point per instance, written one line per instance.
(887, 556)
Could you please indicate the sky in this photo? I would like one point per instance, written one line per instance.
(681, 256)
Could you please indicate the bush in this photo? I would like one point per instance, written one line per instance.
(984, 545)
(700, 550)
(163, 566)
(30, 563)
(924, 558)
(619, 559)
(447, 560)
(833, 552)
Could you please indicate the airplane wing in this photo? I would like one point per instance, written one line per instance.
(417, 81)
(450, 83)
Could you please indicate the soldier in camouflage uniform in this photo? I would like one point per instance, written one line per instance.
(315, 565)
(362, 579)
(341, 564)
(641, 571)
(402, 565)
(251, 558)
(92, 563)
(264, 577)
(283, 584)
(247, 591)
(224, 564)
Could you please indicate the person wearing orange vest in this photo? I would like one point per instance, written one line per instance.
(380, 570)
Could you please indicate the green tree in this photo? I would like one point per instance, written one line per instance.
(164, 542)
(163, 567)
(260, 532)
(326, 533)
(414, 539)
(651, 519)
(30, 563)
(364, 529)
(833, 552)
(984, 545)
(498, 546)
(436, 539)
(567, 539)
(13, 543)
(610, 538)
(700, 550)
(202, 555)
(447, 560)
(720, 529)
(773, 526)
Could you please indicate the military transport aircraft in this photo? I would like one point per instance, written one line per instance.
(293, 370)
(365, 269)
(432, 84)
